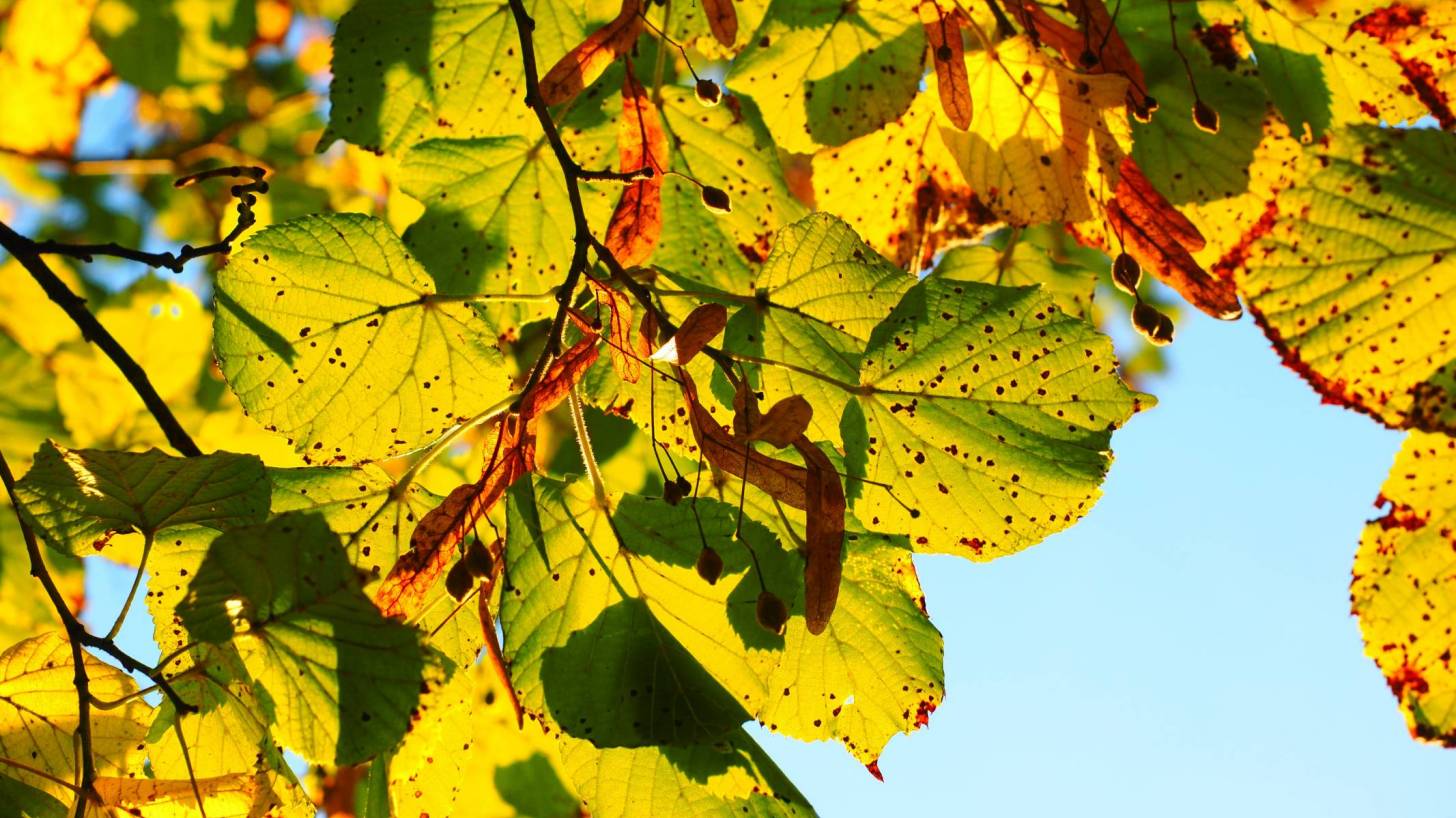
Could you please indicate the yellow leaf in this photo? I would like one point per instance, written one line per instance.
(48, 63)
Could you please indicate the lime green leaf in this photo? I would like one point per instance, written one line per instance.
(1025, 264)
(340, 679)
(76, 499)
(160, 44)
(28, 409)
(331, 333)
(1349, 281)
(1404, 586)
(827, 73)
(989, 411)
(497, 216)
(727, 147)
(875, 672)
(27, 611)
(39, 717)
(1321, 72)
(362, 505)
(620, 641)
(460, 77)
(731, 778)
(19, 800)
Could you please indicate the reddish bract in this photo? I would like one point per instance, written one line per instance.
(581, 66)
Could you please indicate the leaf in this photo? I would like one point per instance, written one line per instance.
(1418, 36)
(732, 778)
(234, 795)
(989, 412)
(1404, 587)
(582, 65)
(157, 45)
(1346, 282)
(498, 217)
(701, 326)
(783, 423)
(464, 80)
(28, 409)
(342, 680)
(76, 499)
(779, 479)
(825, 73)
(626, 347)
(47, 66)
(636, 224)
(703, 26)
(27, 613)
(1322, 71)
(1023, 264)
(1045, 150)
(1097, 46)
(722, 20)
(331, 334)
(39, 718)
(948, 55)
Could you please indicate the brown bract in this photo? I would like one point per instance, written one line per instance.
(701, 326)
(823, 535)
(1163, 240)
(1097, 47)
(581, 66)
(783, 423)
(722, 21)
(948, 54)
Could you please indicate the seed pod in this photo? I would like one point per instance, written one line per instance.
(684, 486)
(459, 581)
(1205, 117)
(1088, 59)
(943, 53)
(1126, 273)
(710, 565)
(672, 492)
(716, 199)
(1153, 325)
(771, 612)
(708, 93)
(478, 560)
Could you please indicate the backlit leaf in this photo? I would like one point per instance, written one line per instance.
(47, 65)
(1404, 586)
(159, 44)
(585, 62)
(1023, 264)
(1348, 281)
(331, 333)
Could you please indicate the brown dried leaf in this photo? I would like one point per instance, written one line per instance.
(701, 326)
(722, 20)
(1111, 56)
(625, 352)
(582, 65)
(823, 535)
(947, 52)
(784, 482)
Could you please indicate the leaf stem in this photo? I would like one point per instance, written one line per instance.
(136, 581)
(584, 441)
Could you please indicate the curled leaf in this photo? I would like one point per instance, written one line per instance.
(582, 65)
(701, 326)
(947, 49)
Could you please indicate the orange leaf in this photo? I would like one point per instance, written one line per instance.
(636, 224)
(626, 359)
(581, 66)
(722, 21)
(784, 422)
(948, 52)
(701, 326)
(641, 143)
(823, 535)
(641, 139)
(564, 373)
(783, 481)
(1163, 240)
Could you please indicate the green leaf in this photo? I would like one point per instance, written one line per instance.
(1070, 285)
(989, 412)
(19, 800)
(39, 714)
(731, 778)
(825, 73)
(420, 69)
(337, 679)
(76, 499)
(27, 611)
(629, 647)
(372, 517)
(332, 334)
(1348, 283)
(498, 218)
(1404, 586)
(28, 409)
(160, 44)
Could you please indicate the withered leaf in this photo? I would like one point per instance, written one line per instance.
(783, 423)
(582, 65)
(948, 54)
(701, 326)
(823, 535)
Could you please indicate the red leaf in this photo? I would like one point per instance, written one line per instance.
(823, 535)
(581, 66)
(948, 53)
(722, 21)
(622, 346)
(641, 139)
